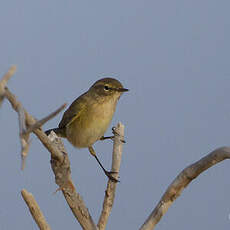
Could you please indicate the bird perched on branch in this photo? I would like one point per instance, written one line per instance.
(88, 117)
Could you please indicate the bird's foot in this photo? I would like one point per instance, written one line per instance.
(115, 133)
(109, 175)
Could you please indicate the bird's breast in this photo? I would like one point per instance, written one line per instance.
(91, 124)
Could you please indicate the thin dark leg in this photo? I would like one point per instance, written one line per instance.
(110, 137)
(105, 138)
(107, 173)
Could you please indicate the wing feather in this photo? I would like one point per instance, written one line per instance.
(73, 111)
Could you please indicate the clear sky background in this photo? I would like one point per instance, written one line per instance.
(172, 55)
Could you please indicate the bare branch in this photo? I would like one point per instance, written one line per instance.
(35, 210)
(63, 179)
(22, 119)
(24, 139)
(24, 133)
(61, 167)
(41, 122)
(4, 81)
(25, 120)
(30, 121)
(111, 186)
(181, 181)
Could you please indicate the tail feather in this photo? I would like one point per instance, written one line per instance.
(60, 132)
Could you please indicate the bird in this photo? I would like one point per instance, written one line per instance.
(89, 116)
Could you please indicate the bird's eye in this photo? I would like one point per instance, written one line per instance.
(106, 87)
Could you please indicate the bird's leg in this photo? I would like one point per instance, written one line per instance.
(105, 138)
(107, 173)
(110, 137)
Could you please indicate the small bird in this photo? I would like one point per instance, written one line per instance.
(88, 117)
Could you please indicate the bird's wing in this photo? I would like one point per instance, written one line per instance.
(73, 111)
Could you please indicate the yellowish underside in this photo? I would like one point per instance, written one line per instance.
(90, 124)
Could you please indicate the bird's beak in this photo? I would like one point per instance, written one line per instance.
(122, 90)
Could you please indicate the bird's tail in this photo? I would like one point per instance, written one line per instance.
(60, 132)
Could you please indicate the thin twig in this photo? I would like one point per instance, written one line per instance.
(35, 210)
(41, 122)
(181, 181)
(4, 81)
(24, 133)
(111, 186)
(24, 139)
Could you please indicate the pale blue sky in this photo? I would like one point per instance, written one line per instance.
(172, 55)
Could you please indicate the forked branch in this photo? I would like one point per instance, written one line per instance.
(60, 162)
(28, 124)
(58, 158)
